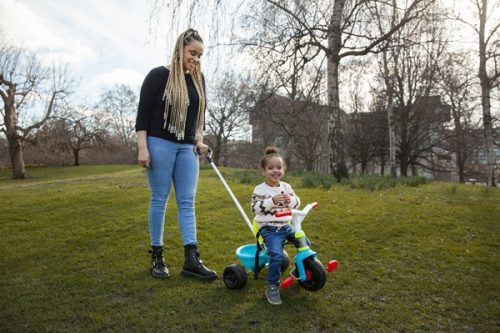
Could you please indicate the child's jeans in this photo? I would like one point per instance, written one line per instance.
(177, 163)
(275, 238)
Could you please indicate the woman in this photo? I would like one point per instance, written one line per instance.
(169, 127)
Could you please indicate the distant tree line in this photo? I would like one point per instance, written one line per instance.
(409, 52)
(42, 124)
(362, 86)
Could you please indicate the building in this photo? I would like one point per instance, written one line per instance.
(299, 129)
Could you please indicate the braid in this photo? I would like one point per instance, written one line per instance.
(176, 94)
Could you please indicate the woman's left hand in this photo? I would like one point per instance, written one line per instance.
(201, 148)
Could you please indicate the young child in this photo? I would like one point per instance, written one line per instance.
(269, 197)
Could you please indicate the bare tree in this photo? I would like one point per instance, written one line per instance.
(487, 28)
(389, 83)
(75, 129)
(366, 128)
(417, 118)
(346, 26)
(296, 126)
(349, 30)
(22, 80)
(50, 146)
(457, 84)
(119, 105)
(84, 134)
(227, 113)
(289, 112)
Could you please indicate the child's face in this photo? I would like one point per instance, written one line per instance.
(273, 171)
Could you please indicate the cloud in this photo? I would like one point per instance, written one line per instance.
(78, 55)
(103, 42)
(106, 80)
(120, 76)
(25, 26)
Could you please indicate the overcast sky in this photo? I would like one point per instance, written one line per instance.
(108, 41)
(103, 41)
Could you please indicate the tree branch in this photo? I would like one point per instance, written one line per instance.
(302, 23)
(407, 18)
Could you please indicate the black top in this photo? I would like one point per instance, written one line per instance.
(152, 107)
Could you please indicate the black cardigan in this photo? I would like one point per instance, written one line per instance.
(152, 107)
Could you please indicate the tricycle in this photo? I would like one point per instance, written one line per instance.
(308, 270)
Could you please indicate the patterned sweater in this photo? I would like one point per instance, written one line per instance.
(264, 208)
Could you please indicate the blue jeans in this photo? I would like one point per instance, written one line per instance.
(275, 240)
(177, 163)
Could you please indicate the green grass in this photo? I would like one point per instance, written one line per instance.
(74, 241)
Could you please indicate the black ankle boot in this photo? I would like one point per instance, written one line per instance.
(193, 266)
(158, 267)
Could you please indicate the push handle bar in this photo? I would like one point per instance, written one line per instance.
(236, 202)
(209, 156)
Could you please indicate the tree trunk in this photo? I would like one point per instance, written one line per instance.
(335, 127)
(382, 164)
(309, 164)
(392, 139)
(485, 99)
(217, 150)
(13, 137)
(403, 163)
(460, 143)
(461, 172)
(363, 166)
(76, 155)
(389, 84)
(488, 135)
(16, 157)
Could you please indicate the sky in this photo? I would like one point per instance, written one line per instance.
(107, 42)
(104, 42)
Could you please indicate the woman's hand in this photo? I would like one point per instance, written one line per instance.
(201, 148)
(144, 158)
(142, 144)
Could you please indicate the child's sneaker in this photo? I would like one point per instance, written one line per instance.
(273, 294)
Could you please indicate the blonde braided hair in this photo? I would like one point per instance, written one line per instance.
(176, 94)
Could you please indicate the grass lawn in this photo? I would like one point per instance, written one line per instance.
(74, 241)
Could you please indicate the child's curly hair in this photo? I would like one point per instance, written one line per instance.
(269, 152)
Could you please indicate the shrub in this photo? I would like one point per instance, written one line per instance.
(413, 181)
(315, 179)
(371, 183)
(246, 177)
(377, 183)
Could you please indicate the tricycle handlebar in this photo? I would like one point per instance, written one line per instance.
(283, 213)
(302, 212)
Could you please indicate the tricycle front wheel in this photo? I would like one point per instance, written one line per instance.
(316, 274)
(235, 276)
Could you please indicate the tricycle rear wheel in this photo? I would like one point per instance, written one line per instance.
(235, 276)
